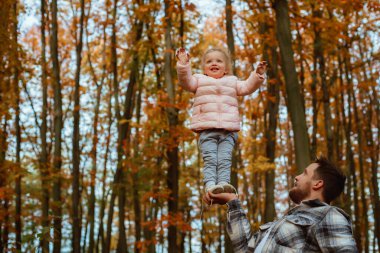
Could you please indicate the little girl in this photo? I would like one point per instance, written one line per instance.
(215, 111)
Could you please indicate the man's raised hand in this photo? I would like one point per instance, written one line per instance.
(220, 198)
(182, 56)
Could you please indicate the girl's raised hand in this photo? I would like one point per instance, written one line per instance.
(182, 56)
(261, 68)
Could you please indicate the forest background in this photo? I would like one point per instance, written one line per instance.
(95, 150)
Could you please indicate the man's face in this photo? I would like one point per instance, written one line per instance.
(302, 184)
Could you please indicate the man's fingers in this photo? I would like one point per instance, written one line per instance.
(212, 195)
(218, 198)
(206, 198)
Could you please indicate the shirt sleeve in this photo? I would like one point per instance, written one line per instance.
(238, 227)
(185, 78)
(251, 84)
(334, 233)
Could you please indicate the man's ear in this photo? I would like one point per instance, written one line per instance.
(318, 184)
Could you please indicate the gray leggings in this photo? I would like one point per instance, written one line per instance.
(216, 147)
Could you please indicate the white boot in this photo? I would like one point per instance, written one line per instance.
(228, 188)
(215, 189)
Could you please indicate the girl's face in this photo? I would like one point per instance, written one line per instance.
(215, 64)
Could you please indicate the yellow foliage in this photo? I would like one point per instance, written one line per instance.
(261, 164)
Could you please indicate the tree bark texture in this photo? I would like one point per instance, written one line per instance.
(295, 107)
(43, 163)
(172, 116)
(321, 68)
(77, 224)
(58, 125)
(16, 71)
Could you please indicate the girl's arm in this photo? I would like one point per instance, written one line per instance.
(253, 82)
(185, 78)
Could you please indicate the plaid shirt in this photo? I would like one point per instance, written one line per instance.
(312, 226)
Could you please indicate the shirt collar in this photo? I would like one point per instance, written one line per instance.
(313, 203)
(308, 203)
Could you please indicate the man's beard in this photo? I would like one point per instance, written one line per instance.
(297, 194)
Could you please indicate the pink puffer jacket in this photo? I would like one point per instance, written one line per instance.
(215, 103)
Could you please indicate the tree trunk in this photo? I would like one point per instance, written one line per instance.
(44, 165)
(315, 107)
(190, 232)
(320, 59)
(172, 115)
(182, 24)
(77, 224)
(5, 56)
(58, 124)
(5, 228)
(94, 154)
(101, 239)
(271, 111)
(135, 171)
(295, 107)
(270, 134)
(230, 33)
(351, 163)
(342, 119)
(231, 49)
(152, 210)
(119, 184)
(125, 132)
(364, 215)
(374, 154)
(373, 150)
(117, 114)
(91, 205)
(15, 58)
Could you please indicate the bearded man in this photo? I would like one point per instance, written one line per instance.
(313, 225)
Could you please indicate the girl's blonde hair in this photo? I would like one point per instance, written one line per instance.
(226, 55)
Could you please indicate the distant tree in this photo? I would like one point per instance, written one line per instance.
(295, 105)
(172, 116)
(58, 125)
(77, 222)
(43, 159)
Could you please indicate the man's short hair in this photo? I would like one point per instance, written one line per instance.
(332, 176)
